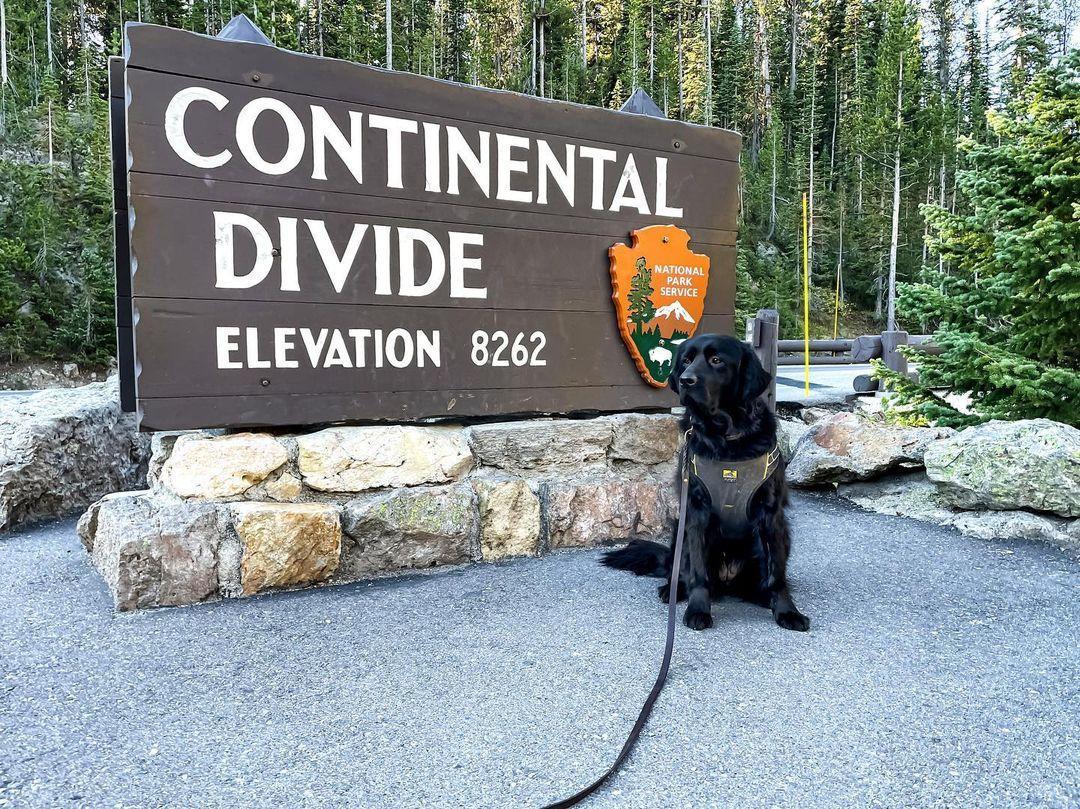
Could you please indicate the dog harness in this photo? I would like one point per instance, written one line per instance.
(732, 485)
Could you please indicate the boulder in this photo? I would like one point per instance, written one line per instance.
(286, 544)
(788, 435)
(1030, 464)
(356, 459)
(591, 511)
(154, 551)
(60, 450)
(541, 444)
(509, 518)
(912, 495)
(845, 447)
(409, 529)
(644, 439)
(220, 467)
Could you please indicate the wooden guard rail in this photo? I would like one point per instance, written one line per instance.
(763, 328)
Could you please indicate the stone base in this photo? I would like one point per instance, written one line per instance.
(230, 516)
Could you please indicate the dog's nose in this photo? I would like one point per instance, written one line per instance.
(688, 379)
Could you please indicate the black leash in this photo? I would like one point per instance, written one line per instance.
(661, 677)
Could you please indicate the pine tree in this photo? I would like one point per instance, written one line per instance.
(1006, 311)
(640, 296)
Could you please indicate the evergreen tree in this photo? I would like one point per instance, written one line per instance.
(639, 298)
(1006, 309)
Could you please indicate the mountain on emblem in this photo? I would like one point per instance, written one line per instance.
(674, 310)
(659, 288)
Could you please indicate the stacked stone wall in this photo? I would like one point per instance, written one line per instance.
(231, 516)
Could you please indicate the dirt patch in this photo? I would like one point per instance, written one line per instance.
(42, 375)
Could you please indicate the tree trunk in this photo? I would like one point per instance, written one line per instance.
(48, 37)
(708, 62)
(679, 41)
(543, 53)
(652, 47)
(794, 47)
(890, 322)
(810, 147)
(3, 44)
(584, 19)
(389, 35)
(772, 190)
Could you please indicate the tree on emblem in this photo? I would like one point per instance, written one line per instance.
(642, 309)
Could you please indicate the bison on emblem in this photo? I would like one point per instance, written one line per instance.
(659, 289)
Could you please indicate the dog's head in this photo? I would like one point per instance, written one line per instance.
(713, 372)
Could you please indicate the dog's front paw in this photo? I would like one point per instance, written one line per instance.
(793, 620)
(697, 620)
(664, 591)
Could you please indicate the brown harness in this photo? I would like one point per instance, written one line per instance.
(732, 485)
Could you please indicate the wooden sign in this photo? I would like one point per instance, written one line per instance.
(659, 292)
(304, 240)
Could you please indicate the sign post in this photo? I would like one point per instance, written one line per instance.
(307, 240)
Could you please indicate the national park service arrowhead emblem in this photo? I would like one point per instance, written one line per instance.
(659, 289)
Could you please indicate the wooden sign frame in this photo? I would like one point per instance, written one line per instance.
(303, 240)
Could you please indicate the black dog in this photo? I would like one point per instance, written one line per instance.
(719, 381)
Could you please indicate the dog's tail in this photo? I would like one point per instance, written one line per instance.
(641, 557)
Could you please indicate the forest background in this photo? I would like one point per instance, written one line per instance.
(860, 104)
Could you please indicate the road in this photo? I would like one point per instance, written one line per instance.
(828, 383)
(939, 671)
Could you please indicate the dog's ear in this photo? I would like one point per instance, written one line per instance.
(676, 364)
(755, 380)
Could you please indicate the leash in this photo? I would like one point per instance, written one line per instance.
(661, 677)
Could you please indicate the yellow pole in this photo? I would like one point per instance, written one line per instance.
(806, 297)
(836, 309)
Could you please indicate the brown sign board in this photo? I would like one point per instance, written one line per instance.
(304, 240)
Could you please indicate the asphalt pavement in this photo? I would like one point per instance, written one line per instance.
(940, 670)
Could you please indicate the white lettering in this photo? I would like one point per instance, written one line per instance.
(549, 168)
(598, 157)
(290, 275)
(245, 136)
(459, 263)
(226, 345)
(407, 238)
(283, 345)
(224, 224)
(394, 128)
(174, 126)
(509, 165)
(432, 169)
(662, 208)
(336, 267)
(324, 131)
(636, 200)
(478, 164)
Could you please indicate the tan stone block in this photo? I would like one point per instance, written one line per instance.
(406, 529)
(546, 445)
(286, 544)
(509, 519)
(644, 439)
(356, 459)
(284, 488)
(588, 512)
(221, 467)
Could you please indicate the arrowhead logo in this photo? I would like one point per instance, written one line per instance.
(659, 288)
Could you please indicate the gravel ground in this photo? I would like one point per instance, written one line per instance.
(940, 671)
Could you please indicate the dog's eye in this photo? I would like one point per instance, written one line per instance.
(715, 361)
(686, 361)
